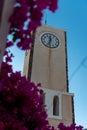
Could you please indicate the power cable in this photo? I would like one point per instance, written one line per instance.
(83, 63)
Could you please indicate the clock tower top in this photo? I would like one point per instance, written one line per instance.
(47, 61)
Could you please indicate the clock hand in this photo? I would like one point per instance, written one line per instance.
(50, 41)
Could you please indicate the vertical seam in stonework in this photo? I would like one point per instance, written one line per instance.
(30, 62)
(73, 113)
(66, 62)
(1, 9)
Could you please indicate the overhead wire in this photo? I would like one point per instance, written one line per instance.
(82, 63)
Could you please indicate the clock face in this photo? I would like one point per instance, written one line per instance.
(50, 40)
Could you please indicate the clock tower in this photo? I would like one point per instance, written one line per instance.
(46, 63)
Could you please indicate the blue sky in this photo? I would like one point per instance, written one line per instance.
(72, 17)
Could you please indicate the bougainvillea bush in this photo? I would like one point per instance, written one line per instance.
(61, 126)
(21, 103)
(26, 18)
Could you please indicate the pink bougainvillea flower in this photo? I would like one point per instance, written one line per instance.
(8, 44)
(53, 5)
(62, 126)
(1, 126)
